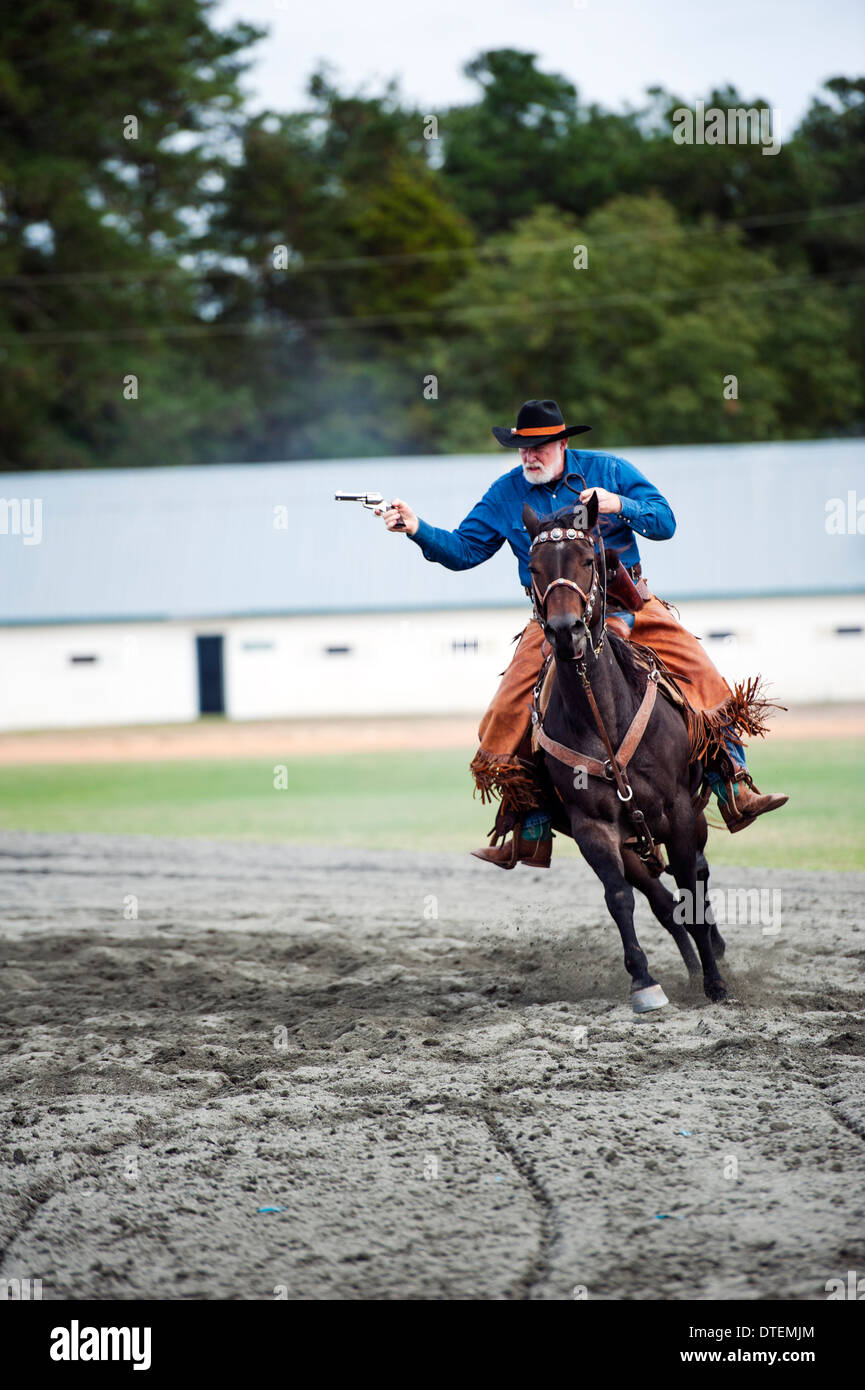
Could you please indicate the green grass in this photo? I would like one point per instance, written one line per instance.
(411, 801)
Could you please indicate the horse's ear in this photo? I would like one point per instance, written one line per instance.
(591, 511)
(531, 520)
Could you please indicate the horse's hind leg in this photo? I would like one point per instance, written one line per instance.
(663, 904)
(600, 848)
(682, 850)
(719, 945)
(701, 827)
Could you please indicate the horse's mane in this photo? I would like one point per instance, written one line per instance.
(628, 660)
(563, 515)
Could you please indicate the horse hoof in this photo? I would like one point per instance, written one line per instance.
(644, 1000)
(717, 994)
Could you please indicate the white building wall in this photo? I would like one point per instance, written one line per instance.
(793, 642)
(395, 663)
(144, 673)
(449, 662)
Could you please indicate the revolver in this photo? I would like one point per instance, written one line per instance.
(370, 500)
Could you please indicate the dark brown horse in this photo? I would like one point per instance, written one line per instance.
(600, 691)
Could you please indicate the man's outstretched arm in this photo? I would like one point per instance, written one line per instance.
(475, 539)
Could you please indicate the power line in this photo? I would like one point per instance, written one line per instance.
(781, 284)
(486, 250)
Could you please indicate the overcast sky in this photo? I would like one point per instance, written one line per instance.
(778, 50)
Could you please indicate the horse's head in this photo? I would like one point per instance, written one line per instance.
(565, 576)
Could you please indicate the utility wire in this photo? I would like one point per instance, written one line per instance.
(469, 253)
(778, 285)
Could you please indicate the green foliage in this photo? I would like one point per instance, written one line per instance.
(281, 284)
(95, 225)
(640, 342)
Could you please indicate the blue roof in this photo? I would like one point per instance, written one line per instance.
(201, 542)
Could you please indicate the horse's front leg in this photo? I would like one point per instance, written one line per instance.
(663, 904)
(600, 847)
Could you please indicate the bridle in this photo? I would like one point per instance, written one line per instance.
(571, 533)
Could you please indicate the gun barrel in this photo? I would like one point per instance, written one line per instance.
(373, 501)
(368, 499)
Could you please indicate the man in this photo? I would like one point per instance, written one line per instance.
(628, 506)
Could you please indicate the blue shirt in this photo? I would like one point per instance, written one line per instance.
(498, 517)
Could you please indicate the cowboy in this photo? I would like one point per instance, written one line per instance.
(628, 507)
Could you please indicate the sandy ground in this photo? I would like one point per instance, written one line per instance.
(299, 1029)
(209, 738)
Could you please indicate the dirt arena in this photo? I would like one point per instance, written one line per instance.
(429, 1069)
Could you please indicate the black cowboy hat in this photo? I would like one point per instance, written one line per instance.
(539, 422)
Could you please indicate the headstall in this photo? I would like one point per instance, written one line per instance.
(570, 533)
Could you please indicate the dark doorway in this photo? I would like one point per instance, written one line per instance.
(211, 694)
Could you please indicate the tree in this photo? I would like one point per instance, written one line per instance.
(282, 285)
(642, 342)
(348, 234)
(501, 152)
(112, 131)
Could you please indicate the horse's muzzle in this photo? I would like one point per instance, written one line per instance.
(567, 636)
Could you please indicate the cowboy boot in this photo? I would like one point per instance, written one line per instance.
(744, 802)
(536, 852)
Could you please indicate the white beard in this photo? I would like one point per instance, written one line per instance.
(545, 475)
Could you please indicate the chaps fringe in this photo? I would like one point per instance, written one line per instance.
(746, 712)
(509, 780)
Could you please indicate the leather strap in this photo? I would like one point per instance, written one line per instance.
(622, 586)
(628, 747)
(631, 742)
(569, 756)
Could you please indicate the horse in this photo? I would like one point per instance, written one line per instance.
(602, 700)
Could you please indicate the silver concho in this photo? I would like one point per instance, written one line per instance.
(571, 534)
(556, 533)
